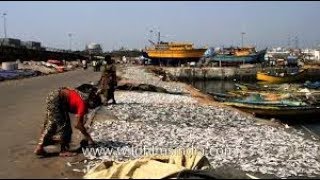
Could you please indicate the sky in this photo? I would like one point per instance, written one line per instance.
(128, 24)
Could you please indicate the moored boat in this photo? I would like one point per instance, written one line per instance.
(281, 77)
(240, 57)
(271, 104)
(276, 111)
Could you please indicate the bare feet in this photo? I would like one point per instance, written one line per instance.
(67, 154)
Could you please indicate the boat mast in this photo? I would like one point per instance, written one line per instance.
(158, 37)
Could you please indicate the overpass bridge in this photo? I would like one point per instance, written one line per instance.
(11, 53)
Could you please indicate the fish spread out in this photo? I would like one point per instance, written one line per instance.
(226, 137)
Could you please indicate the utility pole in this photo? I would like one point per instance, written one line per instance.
(158, 37)
(70, 36)
(297, 42)
(243, 33)
(4, 24)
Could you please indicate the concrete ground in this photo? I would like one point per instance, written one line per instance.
(22, 105)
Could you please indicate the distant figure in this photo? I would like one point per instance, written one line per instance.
(84, 64)
(59, 104)
(98, 65)
(124, 59)
(94, 64)
(104, 62)
(108, 81)
(92, 61)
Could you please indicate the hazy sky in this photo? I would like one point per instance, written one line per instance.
(116, 24)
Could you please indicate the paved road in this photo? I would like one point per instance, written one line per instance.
(22, 104)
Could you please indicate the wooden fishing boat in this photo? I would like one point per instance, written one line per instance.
(173, 53)
(276, 111)
(239, 57)
(312, 85)
(282, 77)
(175, 50)
(276, 106)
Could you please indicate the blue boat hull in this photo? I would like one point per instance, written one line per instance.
(255, 58)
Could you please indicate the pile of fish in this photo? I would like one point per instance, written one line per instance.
(15, 74)
(147, 123)
(129, 97)
(37, 66)
(224, 136)
(46, 67)
(139, 75)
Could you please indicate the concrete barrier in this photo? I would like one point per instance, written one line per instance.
(211, 73)
(224, 73)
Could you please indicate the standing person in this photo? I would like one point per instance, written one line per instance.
(98, 65)
(57, 121)
(95, 65)
(93, 61)
(84, 64)
(108, 81)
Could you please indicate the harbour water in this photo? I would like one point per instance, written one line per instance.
(221, 86)
(218, 86)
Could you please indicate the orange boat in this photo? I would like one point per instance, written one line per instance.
(173, 52)
(282, 78)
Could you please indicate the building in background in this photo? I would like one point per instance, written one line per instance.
(311, 54)
(94, 48)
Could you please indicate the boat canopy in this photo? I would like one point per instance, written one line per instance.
(210, 52)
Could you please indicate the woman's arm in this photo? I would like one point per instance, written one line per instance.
(80, 126)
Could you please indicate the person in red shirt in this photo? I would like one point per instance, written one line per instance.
(60, 103)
